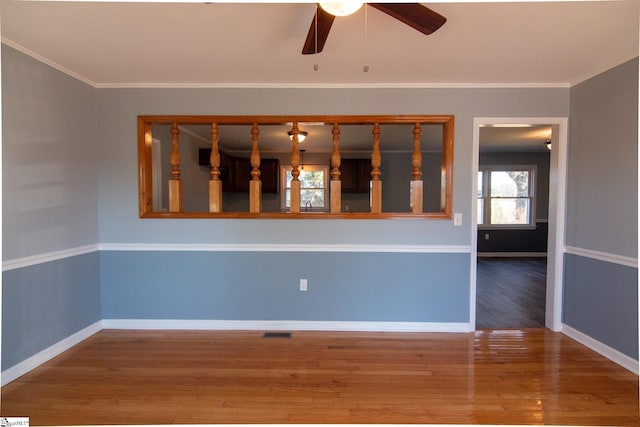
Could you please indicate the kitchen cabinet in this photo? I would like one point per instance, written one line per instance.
(355, 175)
(235, 172)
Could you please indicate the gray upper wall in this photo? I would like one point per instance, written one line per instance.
(57, 132)
(118, 109)
(50, 196)
(602, 191)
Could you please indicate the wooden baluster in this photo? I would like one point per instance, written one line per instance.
(416, 173)
(295, 162)
(376, 182)
(215, 185)
(255, 185)
(336, 183)
(147, 203)
(175, 184)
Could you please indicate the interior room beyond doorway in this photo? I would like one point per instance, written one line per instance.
(514, 164)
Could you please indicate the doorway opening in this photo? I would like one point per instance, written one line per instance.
(518, 222)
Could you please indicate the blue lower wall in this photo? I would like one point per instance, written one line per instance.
(394, 287)
(46, 303)
(601, 300)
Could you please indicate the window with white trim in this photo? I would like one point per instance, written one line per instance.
(506, 196)
(313, 187)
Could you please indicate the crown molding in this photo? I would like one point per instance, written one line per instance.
(48, 62)
(589, 76)
(281, 85)
(381, 85)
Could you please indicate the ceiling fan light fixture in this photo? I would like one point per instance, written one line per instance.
(343, 8)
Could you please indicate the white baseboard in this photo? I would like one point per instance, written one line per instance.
(290, 325)
(48, 353)
(512, 254)
(278, 325)
(608, 352)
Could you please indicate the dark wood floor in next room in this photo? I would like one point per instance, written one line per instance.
(510, 292)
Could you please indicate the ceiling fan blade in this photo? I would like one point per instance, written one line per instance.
(318, 32)
(414, 15)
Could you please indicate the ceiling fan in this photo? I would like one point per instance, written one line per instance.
(414, 15)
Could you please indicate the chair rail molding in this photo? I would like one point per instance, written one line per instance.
(31, 260)
(602, 256)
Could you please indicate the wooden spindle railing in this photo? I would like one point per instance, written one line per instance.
(376, 182)
(416, 172)
(295, 173)
(336, 183)
(175, 184)
(215, 185)
(149, 192)
(255, 185)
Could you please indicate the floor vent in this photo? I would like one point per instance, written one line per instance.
(277, 335)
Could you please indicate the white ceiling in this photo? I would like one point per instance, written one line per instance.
(517, 138)
(258, 44)
(240, 44)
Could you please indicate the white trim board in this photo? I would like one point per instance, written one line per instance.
(285, 325)
(280, 325)
(47, 257)
(382, 85)
(227, 247)
(512, 254)
(47, 61)
(54, 350)
(287, 247)
(603, 349)
(274, 85)
(49, 353)
(602, 256)
(284, 247)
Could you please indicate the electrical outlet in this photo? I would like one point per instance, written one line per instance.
(303, 285)
(486, 236)
(457, 219)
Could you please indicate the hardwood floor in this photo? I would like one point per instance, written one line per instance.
(510, 292)
(489, 377)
